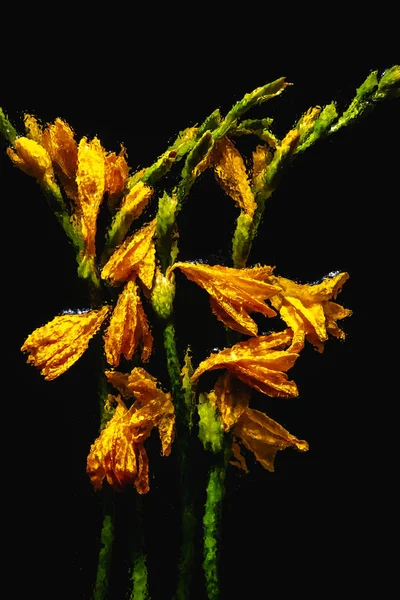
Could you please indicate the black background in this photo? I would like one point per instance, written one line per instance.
(318, 522)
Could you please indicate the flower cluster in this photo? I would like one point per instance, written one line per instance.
(87, 174)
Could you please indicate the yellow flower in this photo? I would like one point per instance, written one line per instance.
(57, 345)
(230, 172)
(128, 328)
(59, 141)
(231, 397)
(135, 255)
(234, 292)
(262, 436)
(309, 311)
(32, 159)
(259, 362)
(118, 453)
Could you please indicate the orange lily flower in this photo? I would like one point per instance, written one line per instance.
(234, 293)
(128, 328)
(309, 311)
(135, 255)
(57, 345)
(259, 362)
(118, 454)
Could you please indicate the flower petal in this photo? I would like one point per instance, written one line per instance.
(57, 345)
(264, 437)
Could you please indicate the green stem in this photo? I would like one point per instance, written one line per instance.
(139, 570)
(100, 591)
(186, 450)
(212, 521)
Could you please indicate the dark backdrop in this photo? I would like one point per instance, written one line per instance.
(315, 524)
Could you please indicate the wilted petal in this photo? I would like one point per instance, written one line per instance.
(231, 397)
(114, 455)
(33, 128)
(230, 172)
(57, 345)
(116, 172)
(128, 257)
(259, 362)
(234, 292)
(128, 328)
(264, 437)
(307, 309)
(59, 141)
(152, 406)
(91, 186)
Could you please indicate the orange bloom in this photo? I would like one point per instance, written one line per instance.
(32, 159)
(230, 172)
(259, 362)
(118, 453)
(234, 292)
(309, 311)
(231, 397)
(128, 328)
(264, 437)
(57, 345)
(135, 255)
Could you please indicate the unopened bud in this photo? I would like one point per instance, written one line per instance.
(163, 293)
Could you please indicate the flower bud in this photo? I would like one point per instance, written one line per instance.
(163, 294)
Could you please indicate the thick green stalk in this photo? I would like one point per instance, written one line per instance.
(100, 591)
(189, 520)
(212, 520)
(139, 571)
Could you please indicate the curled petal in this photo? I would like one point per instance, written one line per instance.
(259, 362)
(114, 455)
(152, 406)
(128, 328)
(264, 437)
(231, 397)
(59, 141)
(57, 345)
(308, 310)
(234, 293)
(230, 172)
(127, 259)
(33, 129)
(116, 172)
(90, 179)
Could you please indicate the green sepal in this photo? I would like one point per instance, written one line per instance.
(321, 127)
(166, 216)
(389, 84)
(189, 172)
(6, 128)
(188, 387)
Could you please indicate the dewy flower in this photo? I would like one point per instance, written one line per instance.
(262, 436)
(230, 172)
(309, 311)
(118, 453)
(57, 345)
(128, 328)
(32, 159)
(135, 255)
(234, 293)
(259, 362)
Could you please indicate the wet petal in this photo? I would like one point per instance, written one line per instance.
(264, 437)
(234, 292)
(57, 345)
(127, 259)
